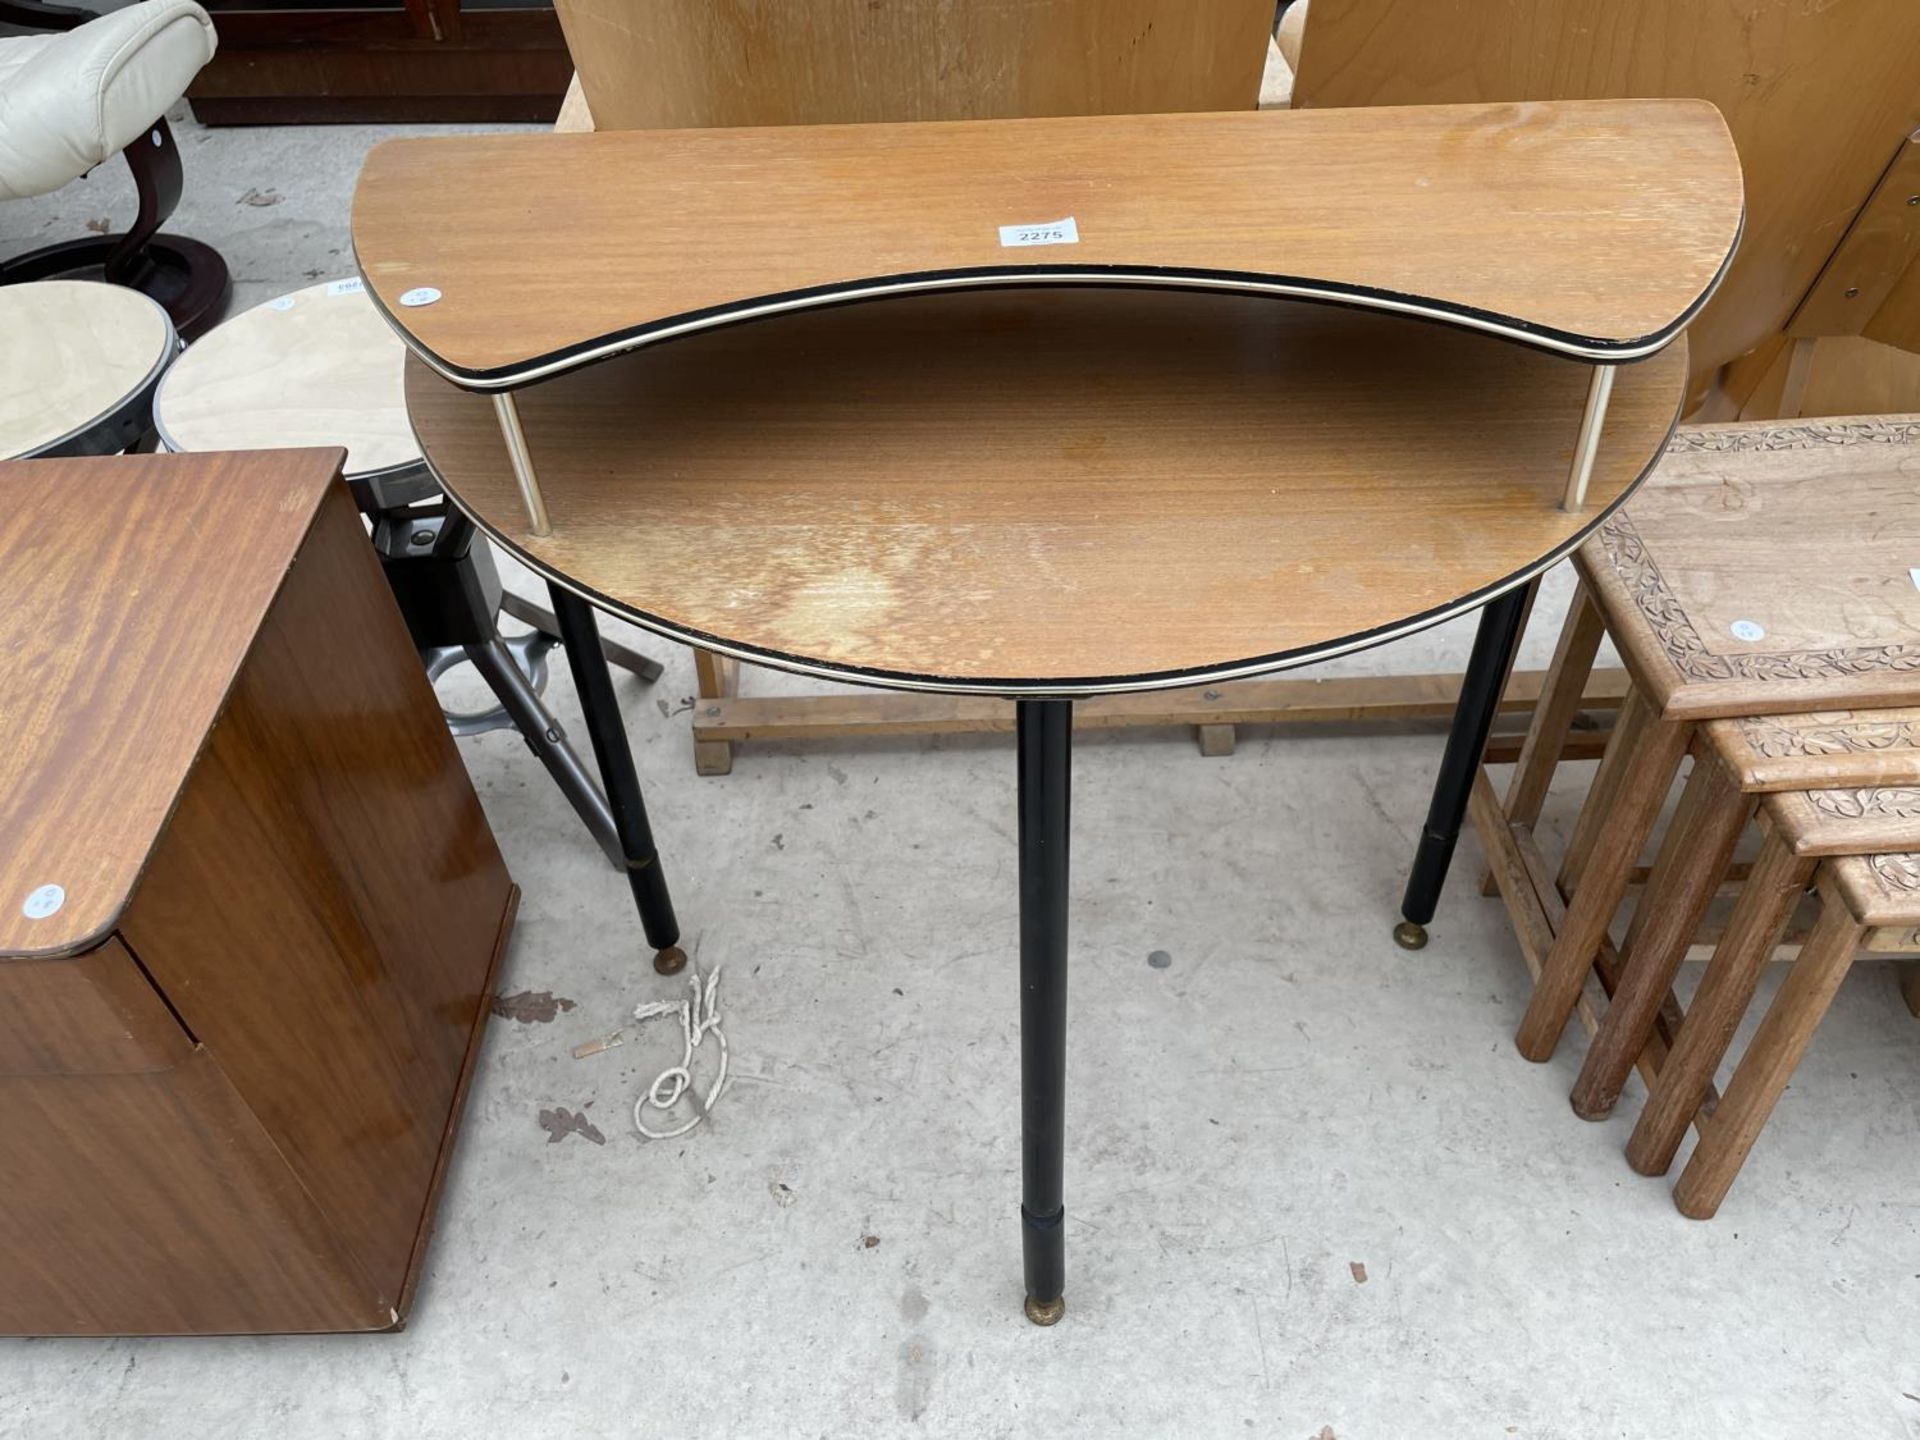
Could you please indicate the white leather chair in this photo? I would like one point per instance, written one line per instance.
(72, 99)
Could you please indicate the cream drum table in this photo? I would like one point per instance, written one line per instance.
(79, 361)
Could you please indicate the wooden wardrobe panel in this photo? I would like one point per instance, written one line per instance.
(1816, 95)
(300, 913)
(648, 64)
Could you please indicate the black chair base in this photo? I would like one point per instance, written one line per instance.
(188, 279)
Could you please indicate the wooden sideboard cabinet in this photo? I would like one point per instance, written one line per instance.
(250, 909)
(305, 62)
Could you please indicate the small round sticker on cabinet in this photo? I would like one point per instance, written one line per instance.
(43, 902)
(1748, 630)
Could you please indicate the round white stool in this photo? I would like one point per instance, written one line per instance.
(317, 367)
(320, 367)
(79, 361)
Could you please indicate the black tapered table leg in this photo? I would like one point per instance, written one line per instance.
(1046, 751)
(1487, 669)
(580, 637)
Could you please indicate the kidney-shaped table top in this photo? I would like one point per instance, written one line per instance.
(1589, 228)
(1051, 491)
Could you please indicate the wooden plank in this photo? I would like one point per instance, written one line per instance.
(716, 677)
(1595, 227)
(1060, 488)
(1364, 699)
(576, 116)
(679, 63)
(1868, 264)
(1566, 689)
(1692, 861)
(1759, 919)
(108, 606)
(1646, 751)
(1770, 1059)
(1607, 968)
(1816, 96)
(1511, 880)
(1534, 904)
(1215, 740)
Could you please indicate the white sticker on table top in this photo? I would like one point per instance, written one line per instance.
(1748, 630)
(420, 295)
(353, 286)
(1051, 232)
(43, 902)
(280, 302)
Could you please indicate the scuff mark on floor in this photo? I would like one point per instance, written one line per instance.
(913, 1388)
(530, 1007)
(560, 1122)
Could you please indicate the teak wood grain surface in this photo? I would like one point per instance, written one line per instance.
(1095, 489)
(101, 561)
(233, 1111)
(1596, 227)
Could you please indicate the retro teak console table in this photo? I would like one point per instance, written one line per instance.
(1152, 401)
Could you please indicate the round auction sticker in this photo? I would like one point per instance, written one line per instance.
(423, 295)
(43, 902)
(1748, 630)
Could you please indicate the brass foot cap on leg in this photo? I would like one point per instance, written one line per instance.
(1409, 936)
(1046, 1312)
(670, 961)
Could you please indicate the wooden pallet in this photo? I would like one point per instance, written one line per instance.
(723, 718)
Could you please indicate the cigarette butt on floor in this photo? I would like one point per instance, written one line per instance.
(594, 1047)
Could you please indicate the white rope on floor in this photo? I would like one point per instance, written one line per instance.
(699, 1017)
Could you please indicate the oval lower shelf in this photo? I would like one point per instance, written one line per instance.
(1057, 492)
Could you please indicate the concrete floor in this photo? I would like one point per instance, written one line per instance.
(1312, 1189)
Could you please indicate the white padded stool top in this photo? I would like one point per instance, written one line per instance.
(69, 101)
(317, 367)
(72, 352)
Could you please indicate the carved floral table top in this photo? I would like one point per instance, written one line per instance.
(1766, 569)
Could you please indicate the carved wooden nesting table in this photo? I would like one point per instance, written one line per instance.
(1152, 401)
